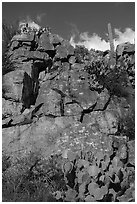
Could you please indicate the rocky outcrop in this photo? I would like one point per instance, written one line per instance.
(125, 48)
(52, 104)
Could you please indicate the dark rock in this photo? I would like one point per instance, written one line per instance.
(72, 108)
(10, 108)
(51, 100)
(56, 66)
(44, 135)
(13, 84)
(125, 48)
(61, 82)
(61, 52)
(105, 123)
(130, 49)
(25, 118)
(55, 105)
(19, 53)
(40, 66)
(80, 89)
(72, 60)
(55, 39)
(14, 45)
(70, 48)
(28, 92)
(65, 67)
(131, 146)
(64, 50)
(27, 44)
(24, 66)
(26, 55)
(102, 100)
(25, 37)
(44, 43)
(6, 122)
(36, 55)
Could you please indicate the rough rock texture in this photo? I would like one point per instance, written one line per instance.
(51, 103)
(125, 48)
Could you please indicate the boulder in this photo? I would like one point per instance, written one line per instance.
(55, 39)
(69, 47)
(10, 108)
(26, 55)
(14, 45)
(19, 86)
(43, 136)
(72, 60)
(24, 37)
(51, 100)
(19, 53)
(124, 48)
(36, 55)
(44, 43)
(61, 52)
(13, 85)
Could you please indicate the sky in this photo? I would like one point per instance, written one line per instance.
(82, 23)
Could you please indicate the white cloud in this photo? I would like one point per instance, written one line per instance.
(127, 36)
(91, 41)
(94, 41)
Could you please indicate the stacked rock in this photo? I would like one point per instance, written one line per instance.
(70, 110)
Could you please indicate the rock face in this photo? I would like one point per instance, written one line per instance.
(125, 48)
(51, 103)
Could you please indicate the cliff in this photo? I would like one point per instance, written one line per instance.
(56, 101)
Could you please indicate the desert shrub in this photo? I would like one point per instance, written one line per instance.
(127, 125)
(31, 179)
(81, 54)
(8, 31)
(83, 176)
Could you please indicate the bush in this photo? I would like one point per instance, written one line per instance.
(8, 31)
(81, 54)
(88, 175)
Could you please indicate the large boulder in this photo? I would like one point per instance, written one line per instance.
(44, 43)
(124, 48)
(10, 108)
(55, 39)
(13, 85)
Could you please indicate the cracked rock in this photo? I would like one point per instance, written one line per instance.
(52, 104)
